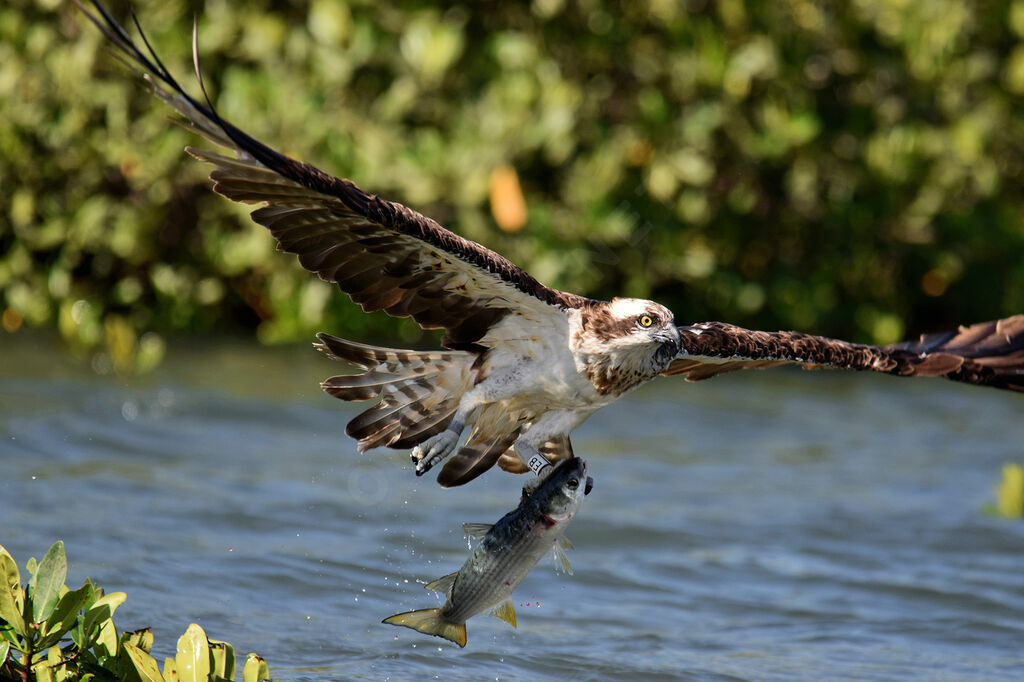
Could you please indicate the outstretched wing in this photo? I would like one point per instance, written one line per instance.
(987, 353)
(382, 254)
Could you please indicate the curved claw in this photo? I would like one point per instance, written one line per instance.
(427, 454)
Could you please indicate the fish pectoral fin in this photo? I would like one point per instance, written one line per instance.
(443, 584)
(506, 612)
(477, 530)
(429, 621)
(561, 560)
(566, 543)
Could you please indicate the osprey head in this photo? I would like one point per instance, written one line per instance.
(646, 325)
(625, 343)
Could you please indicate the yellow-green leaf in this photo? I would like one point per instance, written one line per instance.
(12, 597)
(223, 659)
(193, 657)
(170, 670)
(64, 615)
(107, 639)
(103, 608)
(143, 639)
(143, 664)
(255, 669)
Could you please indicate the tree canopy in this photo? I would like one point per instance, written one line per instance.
(850, 169)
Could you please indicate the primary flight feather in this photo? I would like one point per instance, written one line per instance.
(526, 364)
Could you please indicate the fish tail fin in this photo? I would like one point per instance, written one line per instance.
(429, 621)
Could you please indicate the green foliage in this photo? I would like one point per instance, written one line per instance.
(1009, 493)
(50, 633)
(845, 168)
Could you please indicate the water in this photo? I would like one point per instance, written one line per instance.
(762, 525)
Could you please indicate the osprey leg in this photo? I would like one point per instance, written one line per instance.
(495, 388)
(529, 445)
(433, 450)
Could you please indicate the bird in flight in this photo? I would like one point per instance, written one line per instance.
(524, 364)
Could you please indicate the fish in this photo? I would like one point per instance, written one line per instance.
(507, 551)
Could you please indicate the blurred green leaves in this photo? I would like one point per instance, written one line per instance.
(852, 169)
(1010, 493)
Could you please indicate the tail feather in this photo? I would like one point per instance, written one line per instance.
(366, 356)
(430, 622)
(419, 392)
(415, 432)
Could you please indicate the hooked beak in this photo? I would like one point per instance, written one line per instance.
(670, 341)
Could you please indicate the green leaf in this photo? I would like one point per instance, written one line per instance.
(193, 657)
(255, 669)
(170, 670)
(44, 674)
(223, 659)
(143, 639)
(106, 641)
(47, 581)
(102, 609)
(12, 597)
(142, 664)
(64, 615)
(5, 648)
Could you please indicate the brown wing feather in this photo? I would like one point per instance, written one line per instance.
(384, 255)
(987, 353)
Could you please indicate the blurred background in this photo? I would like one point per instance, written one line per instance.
(849, 169)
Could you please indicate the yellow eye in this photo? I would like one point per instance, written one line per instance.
(645, 321)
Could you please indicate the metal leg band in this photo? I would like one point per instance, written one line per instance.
(537, 464)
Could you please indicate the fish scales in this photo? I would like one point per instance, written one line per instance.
(502, 558)
(507, 552)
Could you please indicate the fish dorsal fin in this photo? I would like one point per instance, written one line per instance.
(443, 584)
(506, 612)
(477, 530)
(561, 560)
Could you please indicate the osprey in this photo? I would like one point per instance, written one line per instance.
(525, 364)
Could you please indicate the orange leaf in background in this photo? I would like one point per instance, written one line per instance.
(507, 203)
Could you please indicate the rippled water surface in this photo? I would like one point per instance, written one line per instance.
(762, 525)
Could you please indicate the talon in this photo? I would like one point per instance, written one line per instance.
(433, 450)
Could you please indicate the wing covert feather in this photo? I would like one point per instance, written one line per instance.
(987, 353)
(384, 255)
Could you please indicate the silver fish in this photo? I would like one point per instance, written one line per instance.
(506, 553)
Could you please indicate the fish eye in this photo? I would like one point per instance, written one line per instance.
(645, 320)
(573, 483)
